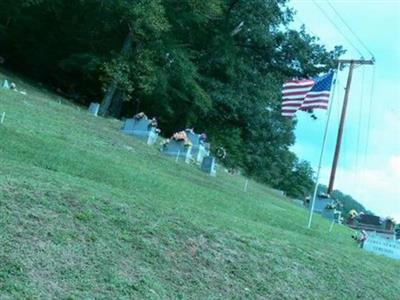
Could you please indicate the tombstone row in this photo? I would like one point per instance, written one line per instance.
(184, 145)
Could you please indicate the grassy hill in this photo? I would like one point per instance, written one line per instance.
(89, 213)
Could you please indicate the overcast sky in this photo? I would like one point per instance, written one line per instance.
(370, 174)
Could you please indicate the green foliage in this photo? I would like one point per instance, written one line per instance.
(217, 66)
(299, 183)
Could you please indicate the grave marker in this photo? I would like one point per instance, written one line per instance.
(94, 108)
(199, 148)
(209, 166)
(178, 149)
(141, 128)
(6, 85)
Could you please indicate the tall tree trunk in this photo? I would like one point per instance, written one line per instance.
(112, 88)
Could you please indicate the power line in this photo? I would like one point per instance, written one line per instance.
(349, 28)
(337, 28)
(371, 96)
(360, 110)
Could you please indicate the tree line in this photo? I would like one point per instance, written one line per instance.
(215, 65)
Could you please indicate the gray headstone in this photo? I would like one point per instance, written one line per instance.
(320, 204)
(94, 109)
(141, 128)
(199, 151)
(209, 166)
(178, 150)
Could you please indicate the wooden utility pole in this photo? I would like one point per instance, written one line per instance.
(352, 63)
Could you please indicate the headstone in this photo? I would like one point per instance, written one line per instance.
(94, 109)
(332, 215)
(199, 148)
(142, 129)
(209, 166)
(6, 84)
(323, 206)
(382, 246)
(320, 204)
(178, 150)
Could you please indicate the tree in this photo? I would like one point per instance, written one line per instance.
(214, 65)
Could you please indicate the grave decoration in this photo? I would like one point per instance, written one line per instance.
(221, 153)
(142, 127)
(179, 145)
(209, 165)
(200, 148)
(352, 216)
(94, 108)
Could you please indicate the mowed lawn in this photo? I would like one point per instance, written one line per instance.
(89, 213)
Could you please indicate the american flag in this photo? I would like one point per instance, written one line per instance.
(306, 94)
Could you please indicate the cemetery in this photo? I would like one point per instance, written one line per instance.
(183, 145)
(108, 178)
(188, 146)
(137, 202)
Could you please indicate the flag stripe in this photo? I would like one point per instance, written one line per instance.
(306, 94)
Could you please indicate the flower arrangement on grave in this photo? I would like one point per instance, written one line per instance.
(181, 136)
(140, 116)
(353, 214)
(203, 138)
(153, 126)
(331, 205)
(164, 143)
(221, 153)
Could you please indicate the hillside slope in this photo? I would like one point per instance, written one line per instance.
(89, 213)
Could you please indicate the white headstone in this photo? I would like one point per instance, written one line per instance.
(94, 109)
(6, 85)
